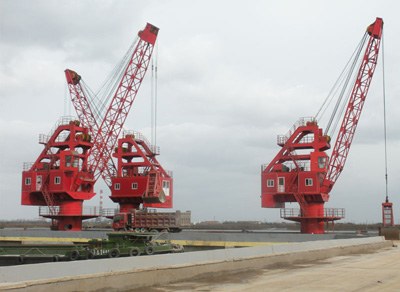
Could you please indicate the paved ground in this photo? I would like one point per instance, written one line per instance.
(379, 271)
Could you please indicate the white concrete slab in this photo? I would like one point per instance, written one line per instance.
(36, 272)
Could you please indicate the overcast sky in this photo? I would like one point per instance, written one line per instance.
(232, 75)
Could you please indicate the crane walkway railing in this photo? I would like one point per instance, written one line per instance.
(61, 122)
(321, 213)
(27, 166)
(44, 139)
(170, 173)
(140, 137)
(282, 139)
(68, 211)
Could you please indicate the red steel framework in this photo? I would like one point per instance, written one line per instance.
(355, 106)
(387, 214)
(140, 177)
(47, 182)
(106, 135)
(151, 172)
(307, 178)
(63, 188)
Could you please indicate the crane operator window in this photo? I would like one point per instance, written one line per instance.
(75, 162)
(321, 162)
(68, 160)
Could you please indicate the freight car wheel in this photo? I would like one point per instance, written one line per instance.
(134, 252)
(114, 253)
(90, 255)
(74, 255)
(149, 250)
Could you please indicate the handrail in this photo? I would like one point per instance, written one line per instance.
(27, 166)
(65, 120)
(281, 139)
(140, 137)
(61, 211)
(321, 213)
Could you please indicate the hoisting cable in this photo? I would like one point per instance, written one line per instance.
(99, 100)
(110, 85)
(345, 101)
(384, 118)
(351, 70)
(66, 100)
(332, 93)
(154, 66)
(155, 96)
(152, 101)
(337, 84)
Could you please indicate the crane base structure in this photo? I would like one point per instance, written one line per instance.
(317, 216)
(68, 216)
(296, 177)
(140, 177)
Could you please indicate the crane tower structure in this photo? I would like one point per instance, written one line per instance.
(302, 172)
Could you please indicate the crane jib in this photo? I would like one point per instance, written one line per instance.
(355, 106)
(106, 135)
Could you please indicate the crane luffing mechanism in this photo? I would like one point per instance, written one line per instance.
(77, 152)
(302, 172)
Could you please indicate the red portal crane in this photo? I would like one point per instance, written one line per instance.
(105, 136)
(140, 177)
(64, 174)
(47, 182)
(147, 171)
(308, 178)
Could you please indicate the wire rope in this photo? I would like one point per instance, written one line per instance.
(155, 97)
(152, 101)
(384, 119)
(336, 86)
(99, 100)
(343, 106)
(346, 83)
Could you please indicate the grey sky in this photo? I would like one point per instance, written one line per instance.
(231, 76)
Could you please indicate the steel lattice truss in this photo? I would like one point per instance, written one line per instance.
(106, 136)
(355, 106)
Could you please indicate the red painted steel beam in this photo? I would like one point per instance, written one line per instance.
(106, 135)
(355, 106)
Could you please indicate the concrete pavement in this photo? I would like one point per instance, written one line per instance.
(373, 271)
(122, 274)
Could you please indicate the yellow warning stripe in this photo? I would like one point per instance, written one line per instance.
(44, 239)
(221, 243)
(181, 242)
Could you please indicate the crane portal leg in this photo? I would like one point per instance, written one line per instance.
(312, 226)
(311, 221)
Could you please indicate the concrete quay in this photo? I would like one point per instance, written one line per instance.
(128, 274)
(372, 271)
(193, 240)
